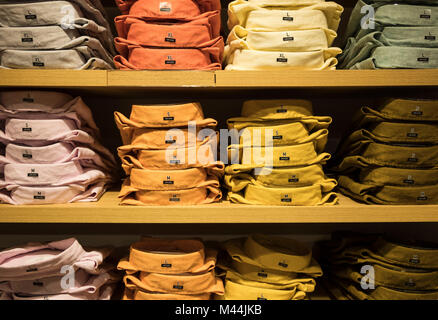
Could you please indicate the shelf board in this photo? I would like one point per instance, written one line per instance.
(53, 78)
(107, 210)
(161, 79)
(327, 78)
(219, 79)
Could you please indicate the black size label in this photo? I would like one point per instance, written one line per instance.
(28, 100)
(39, 197)
(281, 110)
(283, 264)
(170, 141)
(170, 62)
(165, 9)
(27, 155)
(422, 198)
(26, 39)
(412, 135)
(423, 59)
(26, 129)
(38, 64)
(30, 16)
(431, 38)
(288, 39)
(408, 181)
(294, 180)
(262, 275)
(285, 158)
(38, 284)
(174, 161)
(414, 260)
(417, 113)
(178, 286)
(424, 16)
(169, 118)
(282, 60)
(286, 200)
(32, 270)
(170, 39)
(288, 18)
(412, 160)
(277, 137)
(260, 298)
(174, 199)
(167, 182)
(32, 174)
(166, 265)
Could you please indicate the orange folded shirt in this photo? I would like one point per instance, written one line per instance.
(138, 294)
(164, 116)
(136, 57)
(176, 283)
(170, 8)
(168, 256)
(181, 33)
(206, 192)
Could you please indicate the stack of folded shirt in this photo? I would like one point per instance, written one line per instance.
(282, 34)
(170, 35)
(169, 155)
(58, 270)
(268, 268)
(392, 156)
(160, 269)
(38, 34)
(49, 150)
(385, 35)
(278, 156)
(370, 267)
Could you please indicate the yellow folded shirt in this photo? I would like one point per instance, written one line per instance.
(235, 291)
(304, 196)
(284, 15)
(236, 57)
(296, 40)
(273, 252)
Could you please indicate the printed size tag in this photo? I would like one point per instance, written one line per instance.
(32, 269)
(175, 161)
(27, 37)
(409, 180)
(30, 14)
(417, 112)
(284, 157)
(422, 197)
(430, 37)
(288, 37)
(283, 264)
(38, 284)
(262, 275)
(427, 14)
(28, 99)
(412, 160)
(288, 17)
(170, 141)
(282, 58)
(168, 117)
(412, 134)
(281, 110)
(286, 199)
(294, 179)
(277, 137)
(261, 298)
(27, 155)
(174, 198)
(168, 181)
(178, 286)
(38, 61)
(166, 265)
(423, 59)
(26, 129)
(165, 7)
(39, 196)
(415, 259)
(170, 62)
(169, 38)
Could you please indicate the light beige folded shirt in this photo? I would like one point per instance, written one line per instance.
(284, 15)
(295, 40)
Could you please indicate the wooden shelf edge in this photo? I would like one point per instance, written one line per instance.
(107, 210)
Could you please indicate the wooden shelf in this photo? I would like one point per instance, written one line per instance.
(107, 210)
(220, 79)
(53, 78)
(161, 78)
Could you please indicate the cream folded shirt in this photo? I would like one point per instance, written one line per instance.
(295, 40)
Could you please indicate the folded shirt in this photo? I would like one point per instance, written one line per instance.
(400, 58)
(139, 294)
(50, 38)
(56, 153)
(58, 174)
(136, 57)
(189, 284)
(38, 260)
(173, 9)
(206, 192)
(167, 256)
(302, 196)
(182, 33)
(81, 15)
(80, 58)
(381, 176)
(84, 282)
(295, 40)
(386, 194)
(284, 15)
(237, 57)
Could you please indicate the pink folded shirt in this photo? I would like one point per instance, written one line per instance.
(84, 283)
(55, 153)
(39, 260)
(57, 174)
(58, 104)
(16, 194)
